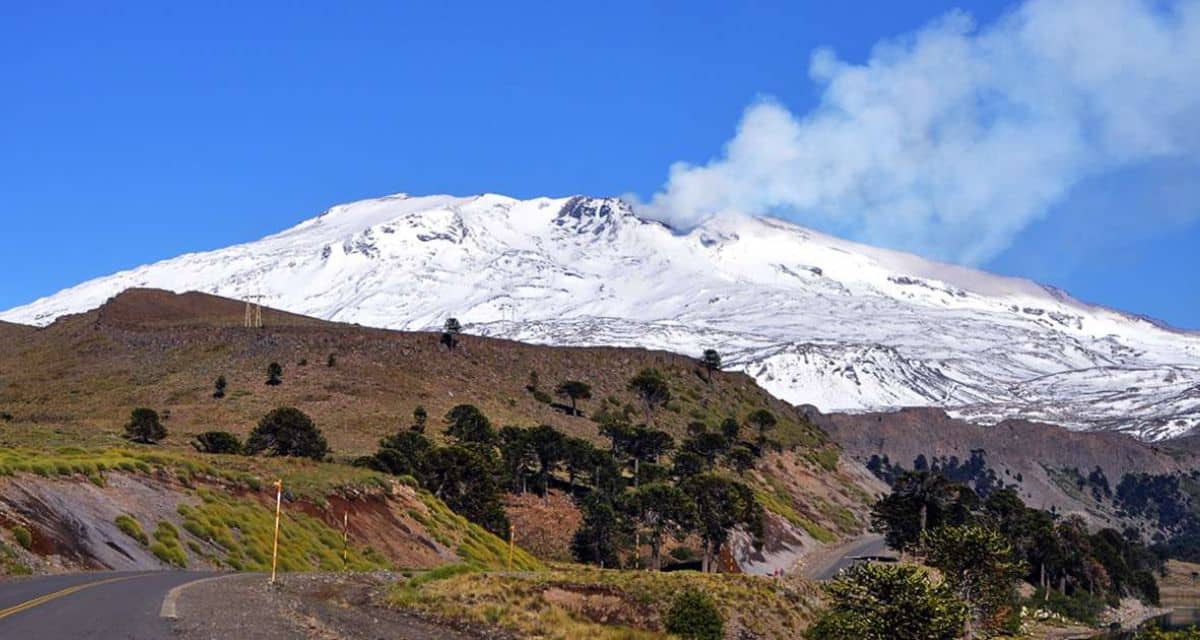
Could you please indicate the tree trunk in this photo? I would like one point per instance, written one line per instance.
(655, 558)
(706, 559)
(636, 472)
(924, 516)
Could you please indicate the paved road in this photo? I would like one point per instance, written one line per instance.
(92, 606)
(844, 556)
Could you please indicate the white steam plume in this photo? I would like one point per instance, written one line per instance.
(949, 141)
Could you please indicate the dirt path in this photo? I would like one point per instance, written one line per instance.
(301, 606)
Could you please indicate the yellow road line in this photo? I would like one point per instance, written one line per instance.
(40, 600)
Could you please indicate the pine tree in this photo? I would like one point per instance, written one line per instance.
(144, 426)
(219, 387)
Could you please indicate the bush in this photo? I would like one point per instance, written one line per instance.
(130, 527)
(684, 554)
(217, 442)
(22, 536)
(694, 615)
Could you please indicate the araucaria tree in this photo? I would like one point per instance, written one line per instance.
(652, 389)
(420, 419)
(888, 602)
(274, 371)
(144, 426)
(711, 361)
(762, 421)
(979, 565)
(219, 387)
(467, 424)
(450, 332)
(287, 431)
(721, 506)
(662, 510)
(574, 391)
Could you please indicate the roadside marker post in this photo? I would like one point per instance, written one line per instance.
(512, 533)
(275, 546)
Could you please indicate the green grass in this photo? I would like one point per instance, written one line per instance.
(167, 547)
(22, 536)
(132, 528)
(578, 602)
(244, 531)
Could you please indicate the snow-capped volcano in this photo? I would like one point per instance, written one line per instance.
(813, 318)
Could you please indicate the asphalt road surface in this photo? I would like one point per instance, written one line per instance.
(847, 555)
(92, 606)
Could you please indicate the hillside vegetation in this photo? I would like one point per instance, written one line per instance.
(156, 349)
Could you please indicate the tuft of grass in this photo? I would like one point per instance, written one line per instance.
(23, 537)
(132, 528)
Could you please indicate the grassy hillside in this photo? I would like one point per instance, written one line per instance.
(83, 374)
(73, 385)
(135, 508)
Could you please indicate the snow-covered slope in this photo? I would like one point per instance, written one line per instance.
(815, 319)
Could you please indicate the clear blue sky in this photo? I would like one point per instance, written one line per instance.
(131, 132)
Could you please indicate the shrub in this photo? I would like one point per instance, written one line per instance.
(217, 442)
(130, 527)
(694, 615)
(22, 536)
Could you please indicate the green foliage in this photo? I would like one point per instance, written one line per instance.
(167, 547)
(920, 501)
(23, 537)
(662, 510)
(464, 478)
(244, 531)
(467, 424)
(651, 387)
(722, 505)
(979, 565)
(420, 419)
(217, 442)
(763, 421)
(132, 528)
(274, 373)
(1080, 605)
(601, 534)
(694, 615)
(144, 426)
(574, 390)
(287, 431)
(711, 360)
(450, 331)
(219, 387)
(888, 602)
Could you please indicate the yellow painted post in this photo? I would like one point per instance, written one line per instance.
(512, 532)
(275, 547)
(345, 541)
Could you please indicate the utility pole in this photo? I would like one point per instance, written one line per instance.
(254, 311)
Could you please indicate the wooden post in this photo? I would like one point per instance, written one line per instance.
(346, 541)
(275, 546)
(513, 530)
